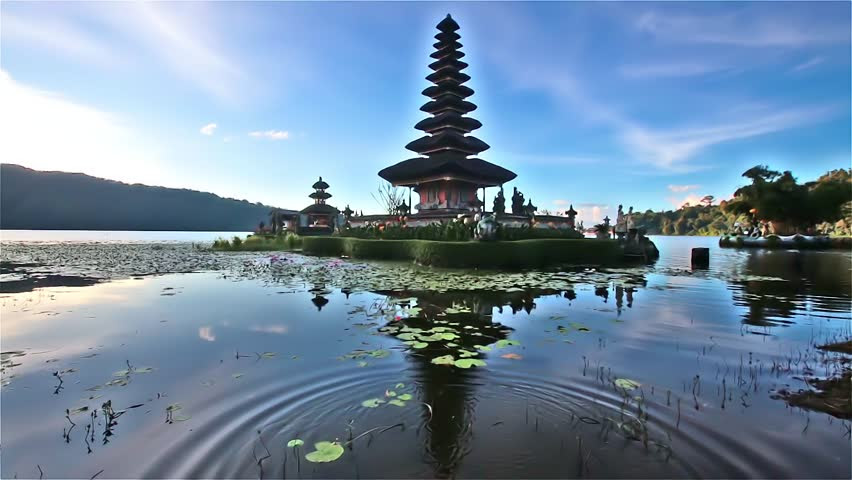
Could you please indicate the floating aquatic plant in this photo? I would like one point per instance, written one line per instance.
(468, 362)
(325, 452)
(627, 384)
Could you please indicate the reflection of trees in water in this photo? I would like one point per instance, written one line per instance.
(812, 281)
(450, 391)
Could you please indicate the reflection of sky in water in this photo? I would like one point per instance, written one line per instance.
(205, 336)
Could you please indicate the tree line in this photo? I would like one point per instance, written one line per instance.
(776, 198)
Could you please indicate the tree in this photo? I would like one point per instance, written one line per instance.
(707, 200)
(777, 197)
(389, 197)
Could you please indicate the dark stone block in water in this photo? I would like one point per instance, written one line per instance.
(700, 257)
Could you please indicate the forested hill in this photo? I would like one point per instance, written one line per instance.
(31, 199)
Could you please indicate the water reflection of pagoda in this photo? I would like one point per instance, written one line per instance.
(444, 177)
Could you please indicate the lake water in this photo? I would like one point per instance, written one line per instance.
(129, 356)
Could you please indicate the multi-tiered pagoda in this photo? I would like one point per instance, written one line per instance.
(318, 218)
(445, 176)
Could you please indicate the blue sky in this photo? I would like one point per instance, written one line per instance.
(595, 104)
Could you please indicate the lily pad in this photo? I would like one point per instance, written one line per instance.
(469, 362)
(482, 348)
(406, 336)
(627, 384)
(419, 345)
(405, 397)
(372, 403)
(399, 385)
(295, 443)
(397, 402)
(444, 360)
(507, 343)
(325, 452)
(379, 353)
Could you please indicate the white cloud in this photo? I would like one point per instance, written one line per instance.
(682, 188)
(808, 64)
(560, 202)
(208, 129)
(271, 134)
(45, 131)
(740, 30)
(591, 213)
(692, 199)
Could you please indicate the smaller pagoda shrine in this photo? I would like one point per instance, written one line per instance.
(447, 175)
(319, 218)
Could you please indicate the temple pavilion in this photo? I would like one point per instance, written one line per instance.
(318, 218)
(447, 174)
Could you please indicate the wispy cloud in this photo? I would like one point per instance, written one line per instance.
(271, 134)
(671, 149)
(59, 36)
(208, 129)
(180, 36)
(668, 149)
(552, 160)
(739, 30)
(682, 188)
(813, 62)
(560, 202)
(675, 69)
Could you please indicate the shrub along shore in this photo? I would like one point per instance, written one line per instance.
(795, 242)
(532, 253)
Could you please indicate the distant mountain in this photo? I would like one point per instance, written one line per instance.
(35, 200)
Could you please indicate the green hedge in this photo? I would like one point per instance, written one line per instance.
(515, 254)
(453, 232)
(258, 243)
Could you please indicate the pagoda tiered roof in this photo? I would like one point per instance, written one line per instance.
(445, 150)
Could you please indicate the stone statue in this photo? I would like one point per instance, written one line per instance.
(630, 222)
(517, 202)
(529, 208)
(500, 203)
(620, 223)
(403, 208)
(486, 228)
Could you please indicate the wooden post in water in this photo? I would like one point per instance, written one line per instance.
(700, 257)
